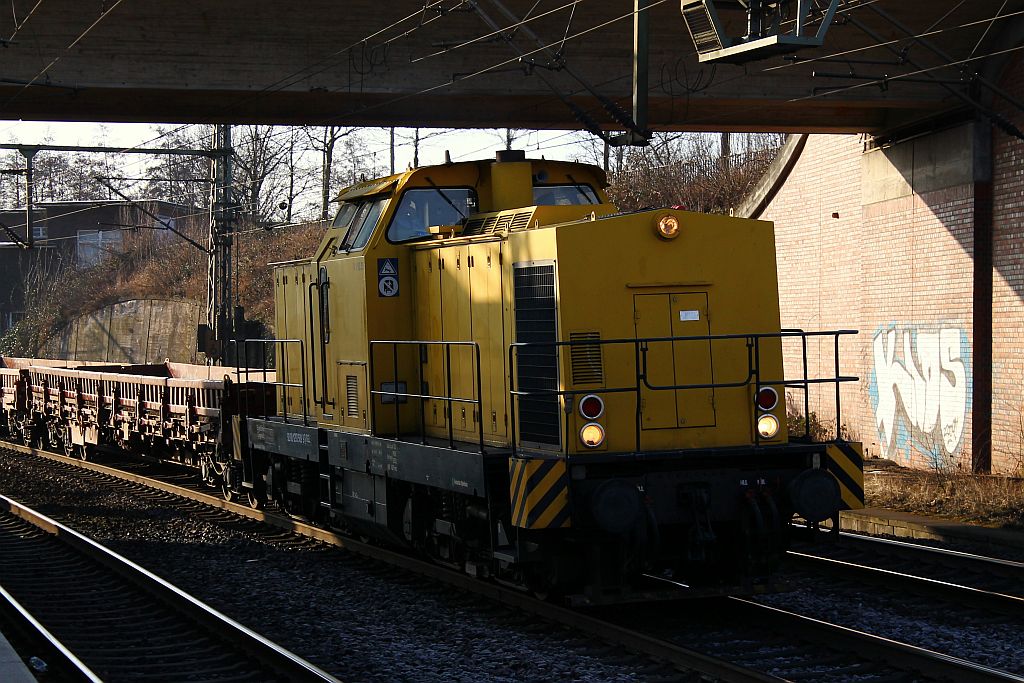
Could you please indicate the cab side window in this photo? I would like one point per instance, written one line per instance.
(343, 220)
(363, 222)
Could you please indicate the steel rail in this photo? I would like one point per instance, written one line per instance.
(676, 655)
(901, 655)
(907, 657)
(56, 655)
(969, 596)
(270, 655)
(989, 563)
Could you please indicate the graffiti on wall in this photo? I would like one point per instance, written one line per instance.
(920, 391)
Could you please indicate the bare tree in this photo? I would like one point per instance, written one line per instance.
(509, 136)
(324, 140)
(12, 184)
(182, 179)
(688, 170)
(260, 157)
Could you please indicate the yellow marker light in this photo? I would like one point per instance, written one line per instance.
(767, 426)
(592, 435)
(668, 227)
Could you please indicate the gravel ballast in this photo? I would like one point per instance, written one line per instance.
(339, 611)
(361, 623)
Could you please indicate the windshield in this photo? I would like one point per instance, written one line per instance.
(564, 195)
(421, 208)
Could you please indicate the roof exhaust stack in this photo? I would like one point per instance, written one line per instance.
(511, 180)
(503, 155)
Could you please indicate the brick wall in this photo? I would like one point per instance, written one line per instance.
(1008, 283)
(882, 242)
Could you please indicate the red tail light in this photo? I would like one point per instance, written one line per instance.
(591, 406)
(767, 398)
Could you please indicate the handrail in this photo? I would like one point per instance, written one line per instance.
(284, 385)
(447, 397)
(312, 359)
(641, 346)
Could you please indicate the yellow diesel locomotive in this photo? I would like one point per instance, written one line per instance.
(488, 362)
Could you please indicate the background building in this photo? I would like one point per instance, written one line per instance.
(71, 234)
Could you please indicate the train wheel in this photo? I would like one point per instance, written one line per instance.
(207, 473)
(56, 435)
(19, 430)
(69, 447)
(226, 491)
(256, 500)
(39, 440)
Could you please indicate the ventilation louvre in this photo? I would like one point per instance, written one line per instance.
(521, 220)
(587, 367)
(537, 366)
(352, 395)
(500, 222)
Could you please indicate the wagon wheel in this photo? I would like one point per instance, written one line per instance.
(256, 499)
(208, 474)
(19, 431)
(39, 439)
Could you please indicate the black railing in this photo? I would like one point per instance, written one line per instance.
(280, 382)
(640, 349)
(448, 399)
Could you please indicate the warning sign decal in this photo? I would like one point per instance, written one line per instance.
(387, 277)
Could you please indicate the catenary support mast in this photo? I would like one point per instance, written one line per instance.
(220, 293)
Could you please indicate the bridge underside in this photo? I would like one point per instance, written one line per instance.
(321, 61)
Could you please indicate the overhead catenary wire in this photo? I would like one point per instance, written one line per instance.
(977, 57)
(547, 46)
(311, 70)
(931, 31)
(927, 33)
(42, 72)
(19, 24)
(497, 32)
(627, 15)
(377, 33)
(289, 79)
(306, 71)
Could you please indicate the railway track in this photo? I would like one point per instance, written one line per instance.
(111, 620)
(973, 581)
(795, 647)
(45, 653)
(174, 488)
(725, 639)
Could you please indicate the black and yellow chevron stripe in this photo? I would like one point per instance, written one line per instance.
(846, 464)
(539, 490)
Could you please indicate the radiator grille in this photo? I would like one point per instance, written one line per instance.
(521, 220)
(477, 226)
(491, 224)
(352, 395)
(537, 367)
(587, 367)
